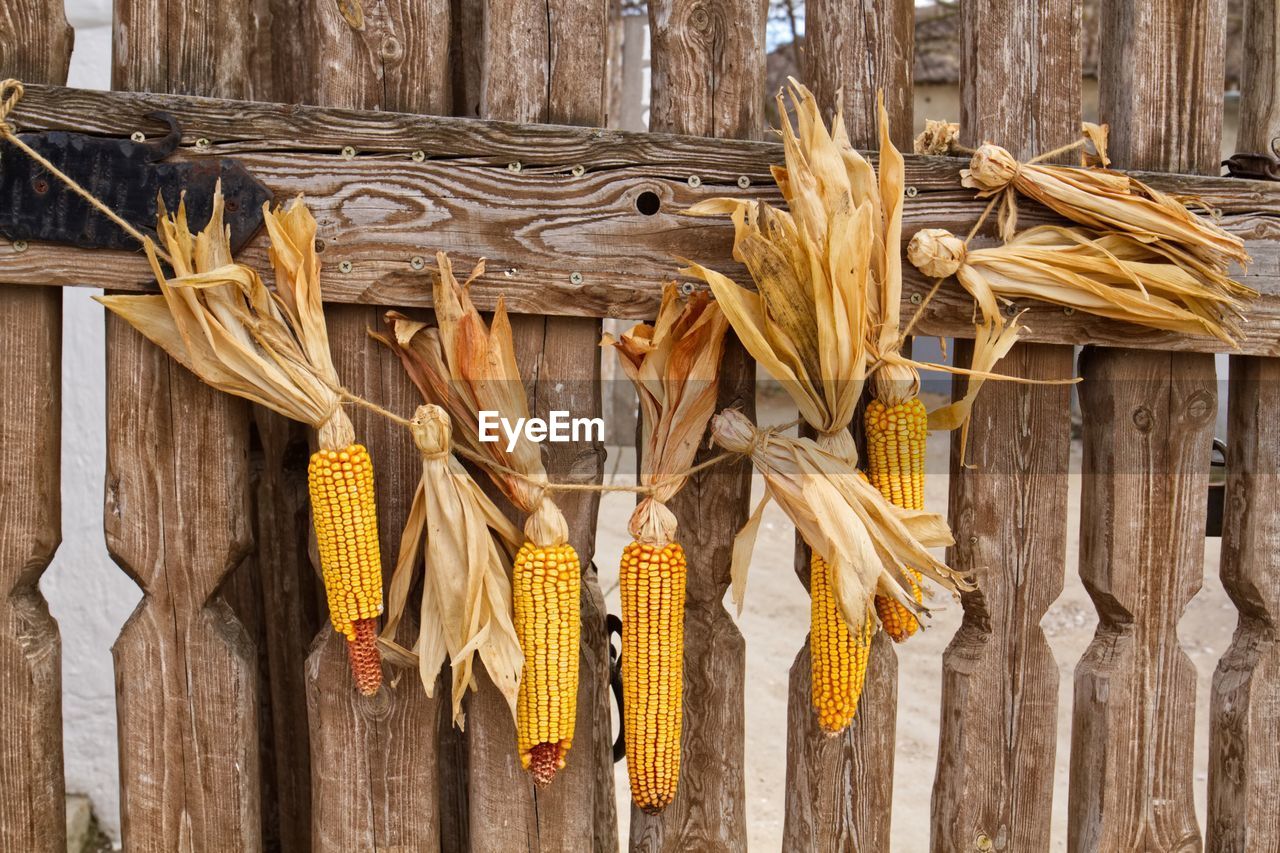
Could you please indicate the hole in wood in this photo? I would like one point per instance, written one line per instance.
(648, 203)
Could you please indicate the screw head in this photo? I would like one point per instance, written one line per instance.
(514, 167)
(348, 152)
(744, 181)
(578, 170)
(418, 156)
(686, 288)
(510, 272)
(19, 246)
(575, 278)
(973, 540)
(916, 299)
(695, 181)
(417, 262)
(912, 192)
(344, 266)
(138, 136)
(1068, 310)
(203, 144)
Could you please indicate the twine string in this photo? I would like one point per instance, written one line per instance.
(12, 91)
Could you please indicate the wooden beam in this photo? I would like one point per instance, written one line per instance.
(559, 243)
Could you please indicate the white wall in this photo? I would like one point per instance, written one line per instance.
(88, 595)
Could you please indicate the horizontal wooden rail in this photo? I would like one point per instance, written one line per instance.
(556, 210)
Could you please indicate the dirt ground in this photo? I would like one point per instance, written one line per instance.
(775, 621)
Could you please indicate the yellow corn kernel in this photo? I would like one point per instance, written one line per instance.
(346, 523)
(546, 584)
(896, 437)
(652, 585)
(838, 658)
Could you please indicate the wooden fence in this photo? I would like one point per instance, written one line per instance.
(235, 731)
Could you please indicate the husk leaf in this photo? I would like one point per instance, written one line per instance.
(464, 544)
(674, 365)
(466, 366)
(217, 318)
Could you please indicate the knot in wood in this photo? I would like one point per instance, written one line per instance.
(1200, 407)
(1143, 419)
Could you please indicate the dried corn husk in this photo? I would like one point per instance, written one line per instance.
(816, 308)
(1111, 275)
(867, 540)
(1103, 200)
(464, 544)
(674, 364)
(938, 139)
(217, 318)
(466, 366)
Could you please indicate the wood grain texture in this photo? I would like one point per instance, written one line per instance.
(1260, 84)
(840, 790)
(35, 44)
(545, 62)
(1244, 714)
(1244, 710)
(707, 61)
(177, 519)
(1008, 511)
(374, 776)
(860, 47)
(1148, 422)
(382, 209)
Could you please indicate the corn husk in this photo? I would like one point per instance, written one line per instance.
(675, 365)
(867, 540)
(816, 308)
(1110, 275)
(938, 139)
(464, 544)
(1103, 200)
(465, 367)
(217, 318)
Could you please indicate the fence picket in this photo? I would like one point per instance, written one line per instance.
(1148, 421)
(1244, 773)
(186, 671)
(707, 67)
(376, 779)
(840, 789)
(35, 45)
(547, 64)
(1009, 510)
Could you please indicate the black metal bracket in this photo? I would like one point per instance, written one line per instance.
(1217, 489)
(613, 627)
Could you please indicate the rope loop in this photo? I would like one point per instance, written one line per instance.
(11, 91)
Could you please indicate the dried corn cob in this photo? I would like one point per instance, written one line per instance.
(546, 580)
(652, 583)
(896, 434)
(838, 656)
(346, 524)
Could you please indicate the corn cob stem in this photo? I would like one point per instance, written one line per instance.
(546, 582)
(652, 581)
(897, 429)
(343, 511)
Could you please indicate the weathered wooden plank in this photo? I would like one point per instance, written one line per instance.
(1244, 722)
(35, 43)
(376, 780)
(1244, 712)
(374, 770)
(840, 790)
(707, 69)
(382, 209)
(177, 520)
(1148, 421)
(1009, 510)
(547, 63)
